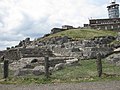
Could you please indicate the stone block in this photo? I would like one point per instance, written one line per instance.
(38, 70)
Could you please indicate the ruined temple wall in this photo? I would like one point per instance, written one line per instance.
(91, 52)
(12, 54)
(83, 52)
(16, 54)
(67, 52)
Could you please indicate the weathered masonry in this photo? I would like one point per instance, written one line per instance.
(105, 24)
(111, 23)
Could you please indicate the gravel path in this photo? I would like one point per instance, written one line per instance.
(114, 85)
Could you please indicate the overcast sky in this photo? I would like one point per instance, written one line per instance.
(32, 18)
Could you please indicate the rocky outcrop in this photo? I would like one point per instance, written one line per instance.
(38, 70)
(114, 59)
(85, 49)
(72, 62)
(104, 39)
(28, 57)
(54, 40)
(59, 66)
(60, 50)
(24, 43)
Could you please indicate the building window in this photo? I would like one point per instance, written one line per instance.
(96, 22)
(112, 27)
(118, 26)
(105, 27)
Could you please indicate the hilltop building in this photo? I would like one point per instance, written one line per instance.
(111, 23)
(64, 28)
(113, 10)
(67, 27)
(56, 30)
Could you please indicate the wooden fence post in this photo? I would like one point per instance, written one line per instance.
(99, 64)
(6, 71)
(47, 67)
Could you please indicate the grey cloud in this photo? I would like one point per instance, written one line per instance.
(1, 24)
(4, 44)
(10, 37)
(33, 28)
(28, 28)
(99, 2)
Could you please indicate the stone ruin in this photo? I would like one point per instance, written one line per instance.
(56, 30)
(24, 60)
(24, 43)
(26, 66)
(28, 57)
(18, 53)
(84, 49)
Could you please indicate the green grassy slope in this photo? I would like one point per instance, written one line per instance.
(81, 34)
(85, 72)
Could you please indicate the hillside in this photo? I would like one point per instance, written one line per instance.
(80, 34)
(72, 58)
(83, 43)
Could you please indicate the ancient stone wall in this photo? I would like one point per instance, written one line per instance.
(91, 52)
(35, 52)
(16, 54)
(85, 49)
(12, 54)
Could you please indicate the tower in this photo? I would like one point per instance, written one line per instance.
(113, 9)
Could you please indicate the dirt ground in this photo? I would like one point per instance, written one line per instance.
(113, 85)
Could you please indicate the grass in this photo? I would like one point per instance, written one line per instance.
(80, 34)
(85, 72)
